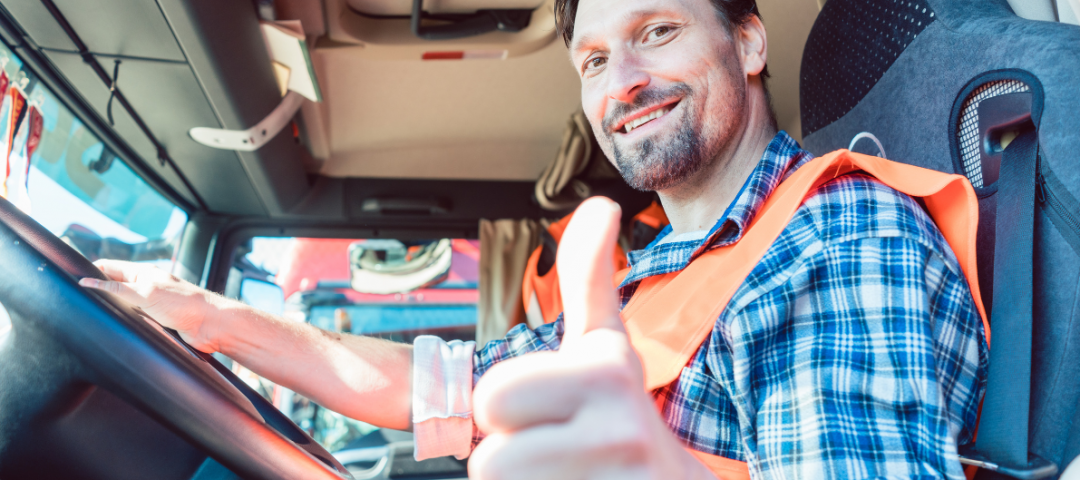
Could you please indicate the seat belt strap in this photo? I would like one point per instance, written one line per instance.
(1003, 425)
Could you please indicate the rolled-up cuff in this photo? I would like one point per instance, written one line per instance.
(442, 397)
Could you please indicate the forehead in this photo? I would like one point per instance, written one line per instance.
(596, 19)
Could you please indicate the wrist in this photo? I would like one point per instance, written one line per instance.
(216, 321)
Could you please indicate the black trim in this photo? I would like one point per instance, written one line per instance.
(462, 25)
(483, 21)
(446, 17)
(979, 80)
(33, 60)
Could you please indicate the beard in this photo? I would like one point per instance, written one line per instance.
(667, 159)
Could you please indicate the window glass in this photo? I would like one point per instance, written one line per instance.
(59, 172)
(329, 283)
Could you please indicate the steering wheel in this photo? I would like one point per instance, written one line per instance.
(94, 338)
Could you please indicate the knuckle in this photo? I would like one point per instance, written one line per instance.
(111, 287)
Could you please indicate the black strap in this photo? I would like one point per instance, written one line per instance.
(1003, 426)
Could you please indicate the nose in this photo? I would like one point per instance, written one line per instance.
(626, 78)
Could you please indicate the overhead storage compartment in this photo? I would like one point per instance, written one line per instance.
(385, 28)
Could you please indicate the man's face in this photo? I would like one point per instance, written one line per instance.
(661, 83)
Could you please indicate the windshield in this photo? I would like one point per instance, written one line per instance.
(68, 180)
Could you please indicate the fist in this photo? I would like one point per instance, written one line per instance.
(581, 412)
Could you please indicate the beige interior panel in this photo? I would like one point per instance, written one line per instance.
(491, 119)
(787, 24)
(520, 160)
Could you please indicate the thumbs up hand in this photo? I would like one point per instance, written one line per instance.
(581, 412)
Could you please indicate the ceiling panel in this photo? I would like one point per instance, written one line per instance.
(122, 27)
(36, 20)
(484, 119)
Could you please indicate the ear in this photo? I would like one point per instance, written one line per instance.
(753, 45)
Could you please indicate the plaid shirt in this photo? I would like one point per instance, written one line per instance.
(852, 350)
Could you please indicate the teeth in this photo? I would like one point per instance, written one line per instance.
(637, 122)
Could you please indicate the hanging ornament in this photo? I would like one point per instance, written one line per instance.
(11, 114)
(27, 138)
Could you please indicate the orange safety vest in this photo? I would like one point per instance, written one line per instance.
(653, 216)
(670, 315)
(546, 286)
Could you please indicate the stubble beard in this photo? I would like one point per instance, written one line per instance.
(662, 162)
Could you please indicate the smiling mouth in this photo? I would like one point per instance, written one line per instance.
(642, 120)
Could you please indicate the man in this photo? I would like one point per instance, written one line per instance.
(852, 349)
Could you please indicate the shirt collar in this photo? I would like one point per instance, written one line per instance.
(782, 156)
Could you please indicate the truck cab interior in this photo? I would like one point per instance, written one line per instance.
(432, 136)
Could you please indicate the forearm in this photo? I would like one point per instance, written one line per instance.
(364, 378)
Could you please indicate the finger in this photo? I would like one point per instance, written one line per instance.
(119, 289)
(121, 271)
(585, 269)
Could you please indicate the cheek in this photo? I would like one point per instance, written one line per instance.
(593, 104)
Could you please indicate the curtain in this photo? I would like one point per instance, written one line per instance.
(505, 246)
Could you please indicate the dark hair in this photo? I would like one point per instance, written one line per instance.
(731, 13)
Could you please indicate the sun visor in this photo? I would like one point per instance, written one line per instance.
(439, 29)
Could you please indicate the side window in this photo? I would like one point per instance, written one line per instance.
(392, 289)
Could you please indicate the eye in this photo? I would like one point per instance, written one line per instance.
(659, 32)
(594, 63)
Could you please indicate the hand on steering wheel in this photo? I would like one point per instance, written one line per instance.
(174, 303)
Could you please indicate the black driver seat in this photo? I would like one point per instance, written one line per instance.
(947, 85)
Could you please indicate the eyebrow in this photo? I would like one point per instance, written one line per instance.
(636, 16)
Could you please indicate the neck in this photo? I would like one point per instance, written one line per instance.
(698, 203)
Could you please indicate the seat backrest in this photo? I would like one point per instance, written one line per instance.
(945, 84)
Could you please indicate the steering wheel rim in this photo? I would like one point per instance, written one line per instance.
(126, 352)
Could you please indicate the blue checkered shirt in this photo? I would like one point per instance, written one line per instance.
(852, 350)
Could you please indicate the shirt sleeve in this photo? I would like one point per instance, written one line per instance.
(443, 377)
(442, 397)
(869, 362)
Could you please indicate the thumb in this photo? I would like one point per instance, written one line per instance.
(585, 269)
